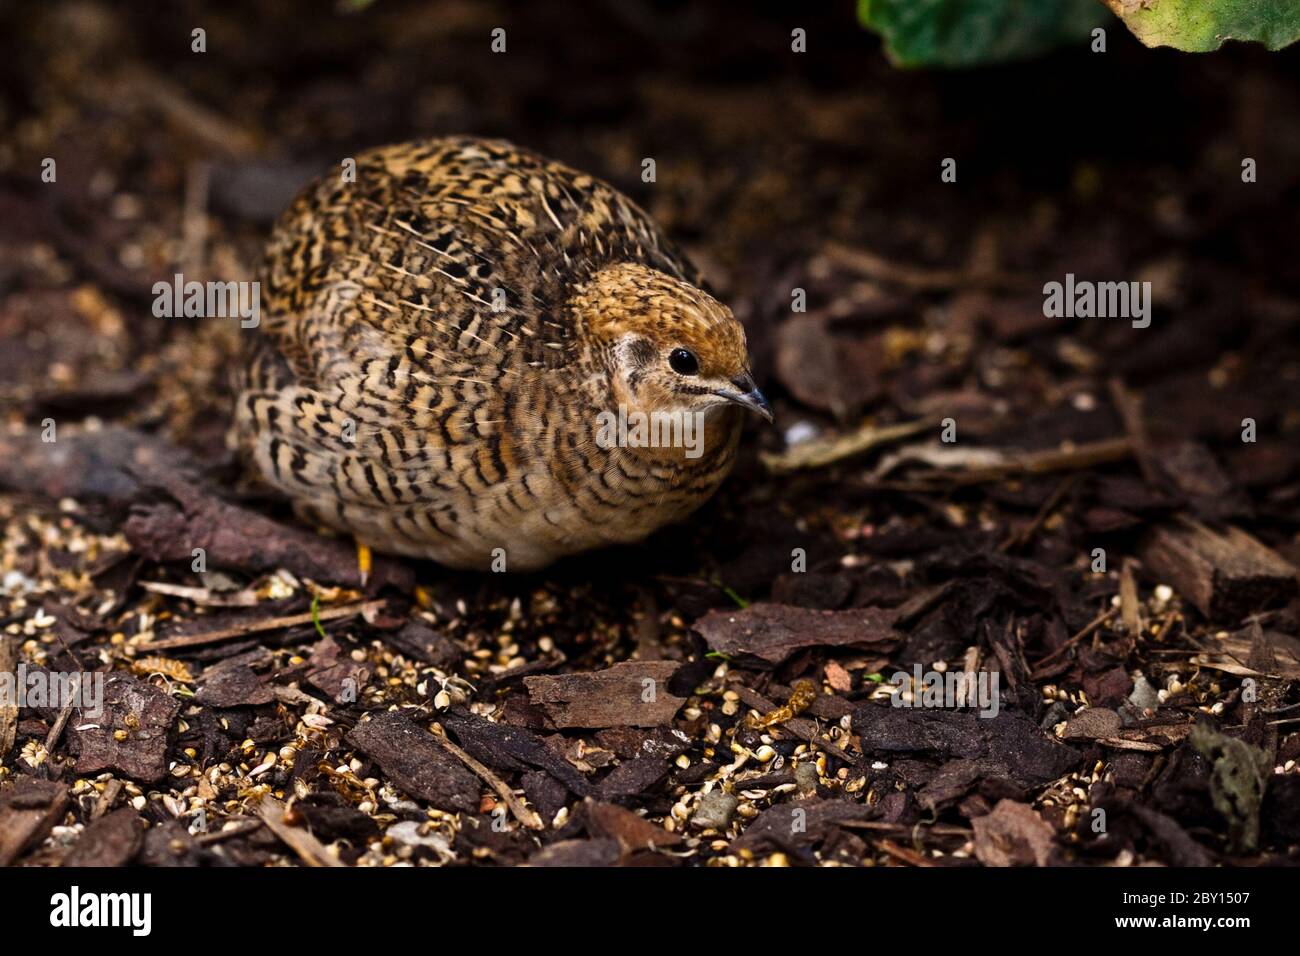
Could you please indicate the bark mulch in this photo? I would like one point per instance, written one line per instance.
(1111, 540)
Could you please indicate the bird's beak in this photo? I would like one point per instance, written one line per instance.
(747, 395)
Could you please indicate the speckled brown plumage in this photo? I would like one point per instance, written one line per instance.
(437, 341)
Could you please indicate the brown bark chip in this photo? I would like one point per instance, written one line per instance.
(1012, 835)
(28, 811)
(630, 694)
(1225, 574)
(131, 735)
(800, 823)
(583, 853)
(234, 684)
(416, 762)
(422, 643)
(611, 821)
(511, 748)
(112, 840)
(333, 670)
(770, 633)
(235, 537)
(1008, 744)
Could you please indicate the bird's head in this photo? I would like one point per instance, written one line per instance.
(666, 345)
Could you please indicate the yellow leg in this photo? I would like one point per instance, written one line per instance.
(363, 561)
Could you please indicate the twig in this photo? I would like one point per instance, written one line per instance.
(107, 798)
(309, 849)
(920, 279)
(205, 596)
(194, 221)
(1129, 407)
(1055, 459)
(1128, 599)
(256, 627)
(1075, 458)
(1020, 538)
(937, 829)
(1096, 622)
(825, 451)
(518, 808)
(901, 853)
(8, 708)
(61, 721)
(216, 132)
(229, 833)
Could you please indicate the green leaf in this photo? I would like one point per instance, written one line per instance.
(971, 32)
(731, 593)
(1197, 26)
(315, 615)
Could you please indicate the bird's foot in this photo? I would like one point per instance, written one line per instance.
(364, 561)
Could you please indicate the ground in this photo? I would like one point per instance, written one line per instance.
(1101, 513)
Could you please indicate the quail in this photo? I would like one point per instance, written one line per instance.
(468, 352)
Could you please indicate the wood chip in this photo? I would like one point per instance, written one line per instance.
(113, 840)
(8, 703)
(1013, 835)
(1225, 574)
(417, 763)
(131, 735)
(1128, 599)
(28, 811)
(629, 694)
(770, 633)
(309, 849)
(632, 832)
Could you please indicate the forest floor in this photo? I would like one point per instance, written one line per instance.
(1109, 539)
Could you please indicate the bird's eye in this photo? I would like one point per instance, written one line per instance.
(683, 362)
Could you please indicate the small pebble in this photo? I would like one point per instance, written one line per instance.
(715, 810)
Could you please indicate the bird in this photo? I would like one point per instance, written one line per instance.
(472, 354)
